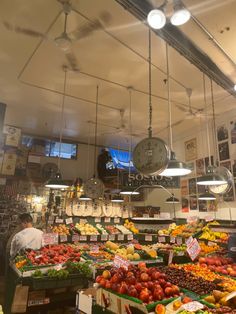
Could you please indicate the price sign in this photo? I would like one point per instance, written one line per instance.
(59, 220)
(63, 238)
(192, 219)
(50, 220)
(130, 237)
(83, 238)
(179, 241)
(145, 216)
(94, 238)
(94, 249)
(172, 239)
(104, 237)
(189, 240)
(120, 237)
(148, 237)
(193, 249)
(161, 239)
(171, 254)
(209, 218)
(83, 221)
(112, 237)
(180, 253)
(49, 239)
(211, 243)
(116, 220)
(69, 221)
(120, 262)
(107, 219)
(75, 238)
(97, 219)
(58, 267)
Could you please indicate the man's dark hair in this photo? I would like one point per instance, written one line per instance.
(25, 218)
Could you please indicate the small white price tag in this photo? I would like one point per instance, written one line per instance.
(179, 241)
(59, 220)
(209, 218)
(161, 239)
(69, 221)
(148, 237)
(49, 239)
(171, 254)
(145, 216)
(112, 237)
(104, 237)
(75, 238)
(97, 219)
(93, 238)
(130, 237)
(211, 243)
(120, 262)
(83, 238)
(180, 253)
(107, 219)
(116, 220)
(172, 239)
(63, 238)
(120, 237)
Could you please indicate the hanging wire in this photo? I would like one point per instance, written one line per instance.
(214, 121)
(207, 122)
(88, 153)
(62, 116)
(168, 97)
(95, 134)
(130, 129)
(150, 80)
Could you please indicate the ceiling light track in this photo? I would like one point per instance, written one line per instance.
(175, 38)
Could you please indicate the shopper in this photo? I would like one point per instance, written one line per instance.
(28, 238)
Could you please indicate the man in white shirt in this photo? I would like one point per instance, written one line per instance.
(28, 238)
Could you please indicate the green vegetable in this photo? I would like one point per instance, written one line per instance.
(59, 274)
(83, 269)
(37, 274)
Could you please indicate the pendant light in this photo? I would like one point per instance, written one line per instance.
(172, 199)
(207, 196)
(56, 181)
(181, 15)
(174, 167)
(129, 190)
(117, 198)
(83, 196)
(210, 178)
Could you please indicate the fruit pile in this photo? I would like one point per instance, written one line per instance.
(130, 225)
(53, 254)
(125, 252)
(210, 235)
(188, 281)
(219, 264)
(219, 298)
(86, 229)
(185, 230)
(146, 284)
(112, 229)
(206, 249)
(61, 229)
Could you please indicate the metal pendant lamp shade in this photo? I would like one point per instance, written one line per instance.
(207, 196)
(175, 168)
(172, 200)
(210, 178)
(117, 199)
(129, 190)
(84, 197)
(56, 182)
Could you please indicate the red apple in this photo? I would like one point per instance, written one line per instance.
(123, 288)
(144, 277)
(168, 291)
(150, 285)
(141, 264)
(138, 286)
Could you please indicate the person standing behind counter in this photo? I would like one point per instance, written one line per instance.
(28, 238)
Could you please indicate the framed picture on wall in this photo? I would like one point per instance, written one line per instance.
(200, 167)
(233, 131)
(185, 205)
(192, 186)
(212, 206)
(202, 205)
(222, 133)
(223, 150)
(191, 149)
(184, 187)
(193, 202)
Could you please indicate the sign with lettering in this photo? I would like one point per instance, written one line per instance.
(179, 241)
(107, 219)
(116, 220)
(104, 237)
(112, 237)
(75, 238)
(49, 239)
(120, 262)
(97, 219)
(69, 221)
(130, 237)
(63, 238)
(83, 238)
(148, 237)
(59, 220)
(172, 239)
(120, 237)
(161, 239)
(93, 238)
(193, 249)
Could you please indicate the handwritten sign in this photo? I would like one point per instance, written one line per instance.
(209, 218)
(107, 219)
(83, 238)
(112, 237)
(171, 255)
(179, 241)
(104, 237)
(69, 221)
(130, 237)
(75, 238)
(116, 220)
(120, 262)
(189, 240)
(97, 219)
(94, 249)
(63, 238)
(120, 237)
(145, 216)
(59, 220)
(172, 239)
(93, 238)
(148, 237)
(49, 239)
(192, 219)
(193, 249)
(161, 239)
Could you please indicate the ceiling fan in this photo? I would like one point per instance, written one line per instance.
(64, 40)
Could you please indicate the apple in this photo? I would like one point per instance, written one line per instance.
(141, 264)
(138, 287)
(202, 260)
(162, 282)
(150, 285)
(123, 288)
(132, 292)
(144, 295)
(108, 285)
(98, 279)
(156, 275)
(168, 291)
(144, 277)
(131, 280)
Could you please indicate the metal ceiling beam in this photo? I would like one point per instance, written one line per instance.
(183, 44)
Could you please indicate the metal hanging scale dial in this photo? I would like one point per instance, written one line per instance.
(222, 188)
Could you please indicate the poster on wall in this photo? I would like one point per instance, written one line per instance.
(201, 189)
(184, 187)
(13, 135)
(202, 205)
(212, 206)
(193, 202)
(233, 131)
(223, 150)
(191, 149)
(222, 133)
(191, 166)
(206, 159)
(192, 186)
(185, 205)
(200, 167)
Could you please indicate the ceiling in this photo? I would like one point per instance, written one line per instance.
(113, 58)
